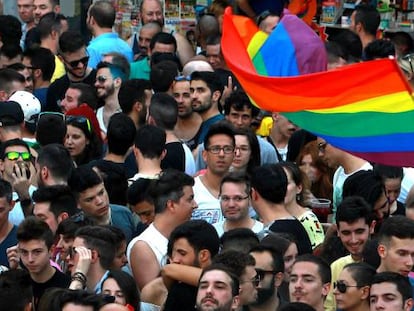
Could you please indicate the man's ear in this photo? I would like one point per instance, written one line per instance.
(236, 303)
(365, 292)
(372, 227)
(215, 97)
(278, 279)
(204, 257)
(408, 304)
(326, 288)
(382, 250)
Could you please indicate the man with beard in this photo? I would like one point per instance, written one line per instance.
(109, 79)
(140, 46)
(72, 52)
(188, 122)
(205, 89)
(218, 289)
(151, 11)
(269, 268)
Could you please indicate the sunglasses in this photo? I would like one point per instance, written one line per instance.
(75, 63)
(342, 287)
(101, 79)
(79, 120)
(14, 155)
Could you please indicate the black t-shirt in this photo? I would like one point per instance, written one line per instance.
(58, 279)
(181, 296)
(175, 157)
(57, 90)
(296, 229)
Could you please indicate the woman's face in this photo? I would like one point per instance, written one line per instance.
(353, 296)
(307, 167)
(64, 244)
(110, 287)
(242, 153)
(75, 140)
(289, 258)
(292, 189)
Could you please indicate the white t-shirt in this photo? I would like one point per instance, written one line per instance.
(208, 206)
(257, 227)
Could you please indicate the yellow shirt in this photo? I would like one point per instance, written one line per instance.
(265, 127)
(59, 69)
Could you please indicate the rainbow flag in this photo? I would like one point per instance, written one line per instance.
(366, 109)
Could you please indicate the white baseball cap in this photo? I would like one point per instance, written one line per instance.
(30, 104)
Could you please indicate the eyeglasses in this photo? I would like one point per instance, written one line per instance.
(14, 155)
(182, 78)
(262, 273)
(322, 146)
(217, 149)
(255, 281)
(101, 79)
(79, 120)
(236, 198)
(75, 63)
(342, 287)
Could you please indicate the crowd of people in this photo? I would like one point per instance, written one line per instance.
(138, 175)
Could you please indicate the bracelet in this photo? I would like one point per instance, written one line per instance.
(80, 277)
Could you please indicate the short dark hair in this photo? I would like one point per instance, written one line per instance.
(133, 91)
(219, 128)
(7, 77)
(6, 190)
(120, 61)
(50, 22)
(324, 269)
(43, 59)
(60, 197)
(365, 184)
(235, 261)
(401, 282)
(296, 306)
(210, 78)
(164, 38)
(103, 12)
(278, 265)
(57, 159)
(169, 186)
(369, 17)
(32, 228)
(235, 283)
(120, 134)
(387, 171)
(10, 143)
(379, 48)
(16, 290)
(213, 39)
(361, 272)
(150, 140)
(353, 208)
(162, 75)
(280, 241)
(71, 41)
(238, 100)
(116, 70)
(10, 29)
(69, 225)
(199, 234)
(11, 51)
(242, 239)
(270, 181)
(397, 226)
(83, 178)
(138, 191)
(236, 178)
(100, 239)
(78, 297)
(164, 111)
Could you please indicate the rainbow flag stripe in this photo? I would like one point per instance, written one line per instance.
(366, 109)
